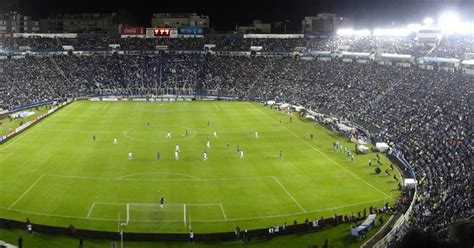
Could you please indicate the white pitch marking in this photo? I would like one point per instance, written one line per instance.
(223, 212)
(324, 154)
(90, 210)
(289, 194)
(158, 179)
(160, 173)
(176, 221)
(215, 106)
(26, 192)
(184, 214)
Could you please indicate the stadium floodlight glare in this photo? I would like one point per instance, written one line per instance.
(392, 32)
(428, 21)
(351, 32)
(415, 27)
(448, 22)
(465, 28)
(345, 32)
(362, 32)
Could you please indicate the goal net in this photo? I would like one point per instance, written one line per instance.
(152, 212)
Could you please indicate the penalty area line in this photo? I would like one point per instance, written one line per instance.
(26, 191)
(289, 194)
(90, 210)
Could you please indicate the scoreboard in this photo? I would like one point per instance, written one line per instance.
(162, 32)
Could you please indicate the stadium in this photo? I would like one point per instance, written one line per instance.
(170, 136)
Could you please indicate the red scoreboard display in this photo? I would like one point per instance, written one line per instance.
(162, 32)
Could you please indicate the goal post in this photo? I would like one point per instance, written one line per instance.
(153, 212)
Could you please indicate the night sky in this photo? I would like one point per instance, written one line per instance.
(225, 14)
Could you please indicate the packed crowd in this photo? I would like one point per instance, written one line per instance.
(423, 113)
(400, 45)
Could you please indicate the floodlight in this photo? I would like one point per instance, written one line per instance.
(414, 27)
(448, 21)
(428, 21)
(345, 31)
(392, 32)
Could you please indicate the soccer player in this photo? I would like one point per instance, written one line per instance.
(256, 135)
(158, 156)
(228, 145)
(208, 144)
(168, 135)
(115, 141)
(241, 154)
(176, 155)
(177, 148)
(148, 124)
(352, 157)
(291, 119)
(215, 134)
(311, 136)
(281, 153)
(186, 133)
(238, 149)
(93, 137)
(130, 156)
(205, 155)
(370, 162)
(162, 202)
(208, 123)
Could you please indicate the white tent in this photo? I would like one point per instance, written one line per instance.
(381, 147)
(362, 149)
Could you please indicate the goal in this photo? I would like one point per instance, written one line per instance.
(152, 212)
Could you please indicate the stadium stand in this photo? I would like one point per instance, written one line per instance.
(425, 114)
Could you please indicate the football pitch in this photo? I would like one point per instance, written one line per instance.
(56, 173)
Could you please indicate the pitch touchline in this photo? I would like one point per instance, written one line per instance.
(22, 135)
(326, 156)
(290, 195)
(176, 221)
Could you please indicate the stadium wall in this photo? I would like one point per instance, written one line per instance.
(92, 234)
(29, 124)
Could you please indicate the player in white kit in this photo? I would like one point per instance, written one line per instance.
(130, 156)
(177, 149)
(176, 155)
(205, 155)
(115, 141)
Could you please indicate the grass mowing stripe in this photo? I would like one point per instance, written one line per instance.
(175, 221)
(326, 156)
(79, 172)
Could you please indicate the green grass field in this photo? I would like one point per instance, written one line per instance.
(54, 173)
(7, 126)
(337, 236)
